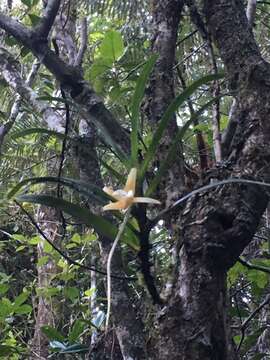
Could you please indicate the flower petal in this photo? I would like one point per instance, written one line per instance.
(145, 200)
(131, 181)
(108, 190)
(119, 205)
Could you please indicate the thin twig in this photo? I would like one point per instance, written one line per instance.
(251, 316)
(109, 286)
(177, 203)
(83, 46)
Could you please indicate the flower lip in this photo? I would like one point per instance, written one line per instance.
(126, 197)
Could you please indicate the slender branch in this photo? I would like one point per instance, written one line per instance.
(83, 46)
(16, 29)
(202, 150)
(66, 257)
(190, 55)
(44, 26)
(251, 12)
(71, 79)
(177, 203)
(251, 316)
(187, 37)
(109, 261)
(5, 128)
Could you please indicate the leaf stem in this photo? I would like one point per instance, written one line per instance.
(109, 282)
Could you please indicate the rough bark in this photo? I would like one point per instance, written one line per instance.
(218, 225)
(166, 16)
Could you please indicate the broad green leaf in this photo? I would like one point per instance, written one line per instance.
(6, 308)
(135, 107)
(6, 350)
(24, 51)
(251, 339)
(20, 248)
(18, 237)
(76, 238)
(71, 293)
(23, 309)
(34, 19)
(77, 329)
(236, 271)
(167, 117)
(173, 150)
(48, 291)
(43, 260)
(258, 277)
(11, 41)
(112, 46)
(47, 247)
(28, 3)
(3, 289)
(34, 240)
(19, 300)
(100, 67)
(52, 333)
(90, 292)
(101, 225)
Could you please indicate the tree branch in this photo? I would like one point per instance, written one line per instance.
(44, 26)
(83, 46)
(73, 83)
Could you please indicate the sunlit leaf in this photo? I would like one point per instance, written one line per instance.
(71, 293)
(112, 46)
(23, 309)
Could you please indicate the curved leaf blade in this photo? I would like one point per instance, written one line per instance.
(136, 102)
(173, 148)
(167, 116)
(102, 226)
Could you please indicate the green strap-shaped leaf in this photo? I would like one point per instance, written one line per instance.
(31, 131)
(136, 102)
(82, 187)
(167, 116)
(102, 226)
(173, 148)
(113, 172)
